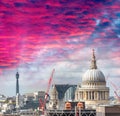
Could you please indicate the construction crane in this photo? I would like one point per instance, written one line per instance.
(118, 97)
(115, 90)
(43, 103)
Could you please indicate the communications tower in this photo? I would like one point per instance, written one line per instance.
(17, 83)
(17, 91)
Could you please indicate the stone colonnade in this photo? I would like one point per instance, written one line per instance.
(92, 95)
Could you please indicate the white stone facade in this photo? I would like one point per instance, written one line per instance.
(93, 90)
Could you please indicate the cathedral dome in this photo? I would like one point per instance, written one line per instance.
(93, 75)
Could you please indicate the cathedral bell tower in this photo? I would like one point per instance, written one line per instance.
(53, 104)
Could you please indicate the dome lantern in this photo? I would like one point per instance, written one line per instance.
(93, 61)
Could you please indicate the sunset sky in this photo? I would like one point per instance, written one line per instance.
(39, 35)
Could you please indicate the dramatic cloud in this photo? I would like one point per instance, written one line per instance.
(39, 35)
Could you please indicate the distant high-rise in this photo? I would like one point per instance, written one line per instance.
(17, 83)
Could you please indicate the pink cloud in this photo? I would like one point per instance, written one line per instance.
(27, 28)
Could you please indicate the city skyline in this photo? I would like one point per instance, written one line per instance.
(37, 36)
